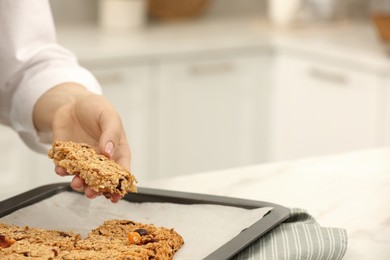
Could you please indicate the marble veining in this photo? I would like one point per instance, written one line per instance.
(349, 190)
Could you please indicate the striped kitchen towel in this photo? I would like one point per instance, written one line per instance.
(297, 238)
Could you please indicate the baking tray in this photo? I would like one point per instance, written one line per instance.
(226, 251)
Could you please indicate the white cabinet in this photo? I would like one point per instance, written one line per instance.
(127, 88)
(212, 112)
(321, 107)
(195, 113)
(15, 173)
(385, 82)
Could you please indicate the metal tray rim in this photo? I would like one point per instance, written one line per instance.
(226, 251)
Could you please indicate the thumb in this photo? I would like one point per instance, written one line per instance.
(111, 128)
(108, 149)
(113, 141)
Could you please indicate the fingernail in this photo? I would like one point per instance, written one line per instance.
(79, 188)
(109, 148)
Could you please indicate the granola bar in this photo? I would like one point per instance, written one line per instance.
(99, 173)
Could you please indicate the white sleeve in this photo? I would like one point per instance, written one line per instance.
(31, 62)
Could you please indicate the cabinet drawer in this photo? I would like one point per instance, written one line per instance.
(320, 108)
(211, 113)
(15, 169)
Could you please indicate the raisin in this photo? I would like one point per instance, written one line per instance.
(141, 231)
(119, 187)
(63, 234)
(127, 223)
(150, 240)
(107, 195)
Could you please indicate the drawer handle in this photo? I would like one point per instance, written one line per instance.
(210, 69)
(328, 76)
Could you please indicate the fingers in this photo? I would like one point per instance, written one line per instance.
(113, 197)
(113, 142)
(94, 121)
(60, 171)
(90, 193)
(112, 132)
(78, 184)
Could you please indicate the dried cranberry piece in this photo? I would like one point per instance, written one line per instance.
(5, 242)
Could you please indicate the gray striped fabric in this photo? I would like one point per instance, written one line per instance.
(298, 238)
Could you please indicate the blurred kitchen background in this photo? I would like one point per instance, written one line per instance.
(210, 84)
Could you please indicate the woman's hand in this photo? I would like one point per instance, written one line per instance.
(74, 114)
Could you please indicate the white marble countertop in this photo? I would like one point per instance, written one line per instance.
(352, 43)
(350, 190)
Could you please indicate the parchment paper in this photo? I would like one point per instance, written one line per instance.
(203, 227)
